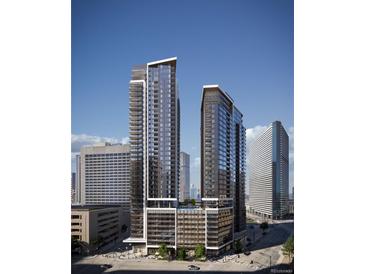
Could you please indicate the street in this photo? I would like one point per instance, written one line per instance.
(265, 251)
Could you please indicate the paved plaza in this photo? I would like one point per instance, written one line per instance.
(265, 251)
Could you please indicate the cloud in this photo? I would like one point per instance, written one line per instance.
(79, 140)
(125, 140)
(196, 162)
(253, 133)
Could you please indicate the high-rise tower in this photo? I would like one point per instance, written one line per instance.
(154, 129)
(184, 184)
(269, 173)
(222, 168)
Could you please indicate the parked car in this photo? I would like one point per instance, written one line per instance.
(193, 267)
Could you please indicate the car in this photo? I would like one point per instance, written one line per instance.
(106, 266)
(193, 267)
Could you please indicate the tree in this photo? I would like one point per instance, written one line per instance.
(238, 246)
(193, 202)
(124, 228)
(97, 242)
(199, 251)
(288, 247)
(75, 243)
(162, 250)
(181, 254)
(264, 226)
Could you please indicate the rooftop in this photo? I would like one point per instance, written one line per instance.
(93, 207)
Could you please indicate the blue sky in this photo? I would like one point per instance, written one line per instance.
(244, 46)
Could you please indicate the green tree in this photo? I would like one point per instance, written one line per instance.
(199, 251)
(162, 250)
(264, 226)
(124, 228)
(288, 247)
(181, 254)
(193, 202)
(97, 242)
(238, 246)
(75, 243)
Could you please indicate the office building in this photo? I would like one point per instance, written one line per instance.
(154, 132)
(103, 223)
(78, 189)
(269, 173)
(291, 206)
(190, 227)
(222, 169)
(73, 187)
(184, 187)
(105, 174)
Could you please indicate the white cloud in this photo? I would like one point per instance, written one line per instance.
(79, 140)
(125, 140)
(196, 162)
(253, 133)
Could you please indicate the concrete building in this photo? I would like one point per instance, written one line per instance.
(222, 169)
(190, 227)
(105, 174)
(73, 187)
(154, 133)
(269, 173)
(184, 184)
(90, 223)
(290, 206)
(78, 189)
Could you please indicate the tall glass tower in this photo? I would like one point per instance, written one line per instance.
(154, 129)
(269, 173)
(222, 168)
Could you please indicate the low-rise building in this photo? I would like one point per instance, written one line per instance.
(190, 227)
(98, 225)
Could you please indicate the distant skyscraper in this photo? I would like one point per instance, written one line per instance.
(105, 174)
(154, 131)
(78, 189)
(193, 191)
(73, 187)
(269, 173)
(222, 168)
(184, 188)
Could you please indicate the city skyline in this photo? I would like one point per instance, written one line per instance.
(257, 69)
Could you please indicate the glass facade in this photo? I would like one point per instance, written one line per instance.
(222, 167)
(163, 139)
(154, 129)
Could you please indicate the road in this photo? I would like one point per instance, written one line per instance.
(266, 246)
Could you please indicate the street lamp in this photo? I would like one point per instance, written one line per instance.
(267, 256)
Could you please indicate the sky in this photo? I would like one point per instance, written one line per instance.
(245, 46)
